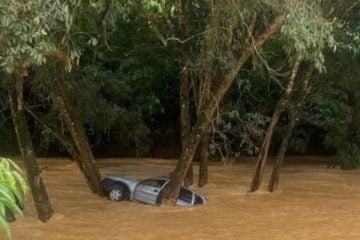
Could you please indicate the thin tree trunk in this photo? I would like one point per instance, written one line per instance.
(40, 196)
(279, 109)
(86, 161)
(204, 158)
(204, 120)
(281, 154)
(294, 115)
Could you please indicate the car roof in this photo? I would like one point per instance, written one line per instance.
(160, 178)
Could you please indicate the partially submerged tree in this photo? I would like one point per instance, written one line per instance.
(279, 109)
(294, 109)
(41, 199)
(307, 34)
(187, 33)
(22, 28)
(305, 37)
(81, 153)
(180, 23)
(239, 36)
(317, 37)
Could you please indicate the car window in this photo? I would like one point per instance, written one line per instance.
(158, 183)
(198, 200)
(185, 195)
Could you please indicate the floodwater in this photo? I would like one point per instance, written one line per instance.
(313, 202)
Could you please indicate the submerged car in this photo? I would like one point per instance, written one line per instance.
(150, 191)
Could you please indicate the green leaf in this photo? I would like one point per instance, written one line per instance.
(11, 205)
(4, 191)
(5, 226)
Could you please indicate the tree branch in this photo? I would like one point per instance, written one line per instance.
(166, 16)
(69, 146)
(250, 50)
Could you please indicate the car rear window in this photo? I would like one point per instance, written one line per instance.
(198, 200)
(185, 195)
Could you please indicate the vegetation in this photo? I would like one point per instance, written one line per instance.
(219, 78)
(13, 189)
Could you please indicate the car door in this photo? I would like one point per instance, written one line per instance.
(147, 190)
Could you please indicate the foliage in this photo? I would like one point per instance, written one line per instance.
(307, 33)
(13, 188)
(117, 92)
(331, 114)
(234, 134)
(137, 80)
(126, 83)
(33, 30)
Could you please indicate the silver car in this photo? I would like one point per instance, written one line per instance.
(150, 191)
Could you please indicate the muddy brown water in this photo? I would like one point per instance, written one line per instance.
(313, 202)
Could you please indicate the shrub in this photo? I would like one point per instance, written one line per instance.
(13, 189)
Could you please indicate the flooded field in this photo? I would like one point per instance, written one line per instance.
(313, 202)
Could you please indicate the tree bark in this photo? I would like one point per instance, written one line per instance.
(205, 118)
(204, 158)
(86, 161)
(294, 115)
(279, 109)
(40, 196)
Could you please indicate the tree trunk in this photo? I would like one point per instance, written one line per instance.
(189, 177)
(185, 119)
(205, 118)
(86, 161)
(177, 177)
(294, 115)
(280, 107)
(181, 30)
(204, 157)
(281, 154)
(41, 199)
